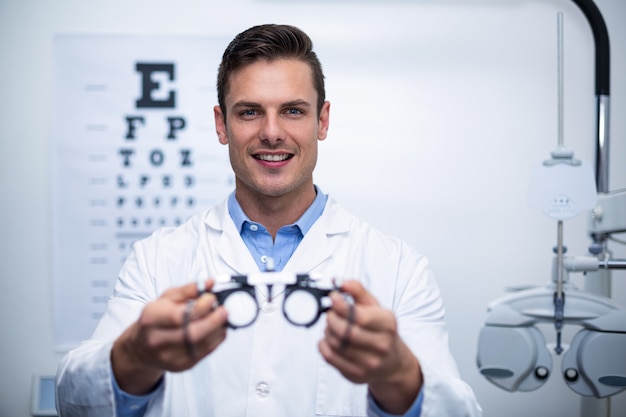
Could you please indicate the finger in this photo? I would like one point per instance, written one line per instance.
(343, 337)
(370, 316)
(360, 296)
(214, 330)
(187, 291)
(175, 343)
(205, 334)
(204, 286)
(168, 313)
(189, 345)
(182, 347)
(341, 332)
(340, 319)
(216, 319)
(340, 304)
(338, 333)
(162, 313)
(204, 305)
(207, 303)
(358, 292)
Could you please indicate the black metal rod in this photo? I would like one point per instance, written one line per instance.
(603, 48)
(603, 89)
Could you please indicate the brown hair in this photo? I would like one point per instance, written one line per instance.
(269, 42)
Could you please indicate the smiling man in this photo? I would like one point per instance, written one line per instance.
(272, 130)
(166, 347)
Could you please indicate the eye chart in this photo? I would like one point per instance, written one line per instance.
(133, 148)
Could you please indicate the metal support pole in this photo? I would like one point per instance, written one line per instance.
(599, 282)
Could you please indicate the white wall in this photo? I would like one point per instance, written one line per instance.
(439, 111)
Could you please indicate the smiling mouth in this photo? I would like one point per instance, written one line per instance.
(273, 157)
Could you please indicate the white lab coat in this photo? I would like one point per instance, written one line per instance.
(271, 368)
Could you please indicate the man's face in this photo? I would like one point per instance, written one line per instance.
(272, 127)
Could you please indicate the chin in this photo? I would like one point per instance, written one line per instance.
(278, 190)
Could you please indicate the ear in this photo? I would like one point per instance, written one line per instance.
(323, 122)
(220, 125)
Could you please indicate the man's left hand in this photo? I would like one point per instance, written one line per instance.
(362, 342)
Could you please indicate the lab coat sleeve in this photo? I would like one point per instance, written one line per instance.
(373, 410)
(421, 322)
(84, 377)
(84, 382)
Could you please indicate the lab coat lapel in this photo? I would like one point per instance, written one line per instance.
(316, 247)
(228, 244)
(311, 252)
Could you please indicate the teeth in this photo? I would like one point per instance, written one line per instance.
(272, 158)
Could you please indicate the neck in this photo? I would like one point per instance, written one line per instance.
(274, 212)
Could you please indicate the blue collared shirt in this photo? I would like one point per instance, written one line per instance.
(260, 242)
(262, 247)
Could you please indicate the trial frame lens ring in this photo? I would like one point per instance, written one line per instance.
(302, 306)
(241, 304)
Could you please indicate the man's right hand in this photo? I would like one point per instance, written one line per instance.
(158, 342)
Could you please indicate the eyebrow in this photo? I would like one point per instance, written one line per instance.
(245, 104)
(296, 103)
(252, 104)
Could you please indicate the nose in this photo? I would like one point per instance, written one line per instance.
(271, 129)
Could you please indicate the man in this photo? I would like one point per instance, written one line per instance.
(163, 346)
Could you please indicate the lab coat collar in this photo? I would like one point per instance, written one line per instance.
(314, 249)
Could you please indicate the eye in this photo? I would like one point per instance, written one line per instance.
(248, 113)
(293, 111)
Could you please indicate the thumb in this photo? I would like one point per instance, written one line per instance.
(358, 292)
(186, 292)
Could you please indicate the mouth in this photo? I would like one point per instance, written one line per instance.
(272, 157)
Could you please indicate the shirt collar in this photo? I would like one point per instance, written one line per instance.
(304, 223)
